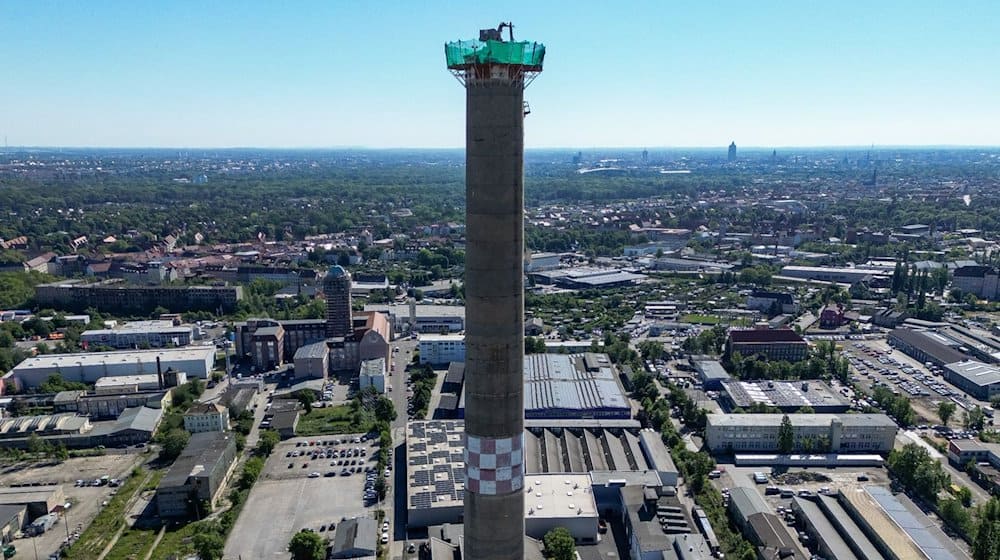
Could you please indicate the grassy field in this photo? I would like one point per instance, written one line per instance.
(330, 420)
(132, 545)
(175, 541)
(700, 319)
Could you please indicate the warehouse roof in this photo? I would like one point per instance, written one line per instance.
(314, 350)
(748, 501)
(711, 369)
(571, 382)
(976, 372)
(85, 359)
(203, 450)
(917, 526)
(937, 348)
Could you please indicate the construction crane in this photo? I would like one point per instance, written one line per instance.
(497, 34)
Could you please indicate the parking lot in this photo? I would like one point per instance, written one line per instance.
(875, 362)
(86, 500)
(297, 491)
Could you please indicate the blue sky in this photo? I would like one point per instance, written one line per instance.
(353, 73)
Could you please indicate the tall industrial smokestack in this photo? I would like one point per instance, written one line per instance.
(494, 73)
(159, 374)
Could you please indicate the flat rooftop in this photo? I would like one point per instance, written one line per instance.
(126, 380)
(421, 311)
(976, 372)
(555, 496)
(738, 420)
(89, 359)
(783, 394)
(435, 471)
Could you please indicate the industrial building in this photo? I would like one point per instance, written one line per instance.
(441, 349)
(133, 425)
(926, 346)
(657, 526)
(122, 384)
(562, 386)
(312, 361)
(835, 533)
(573, 386)
(436, 467)
(758, 522)
(898, 528)
(764, 302)
(39, 500)
(369, 339)
(88, 367)
(773, 344)
(355, 538)
(842, 275)
(587, 278)
(977, 379)
(114, 296)
(140, 334)
(108, 405)
(983, 281)
(820, 433)
(295, 334)
(786, 396)
(422, 318)
(711, 374)
(560, 500)
(198, 475)
(542, 261)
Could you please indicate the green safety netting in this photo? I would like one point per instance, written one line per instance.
(463, 53)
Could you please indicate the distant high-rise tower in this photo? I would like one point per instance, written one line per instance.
(645, 157)
(494, 73)
(337, 291)
(732, 151)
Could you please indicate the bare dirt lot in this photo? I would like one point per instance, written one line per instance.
(86, 501)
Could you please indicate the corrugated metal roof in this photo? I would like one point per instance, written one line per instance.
(559, 381)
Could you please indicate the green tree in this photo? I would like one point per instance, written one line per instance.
(786, 436)
(917, 471)
(35, 444)
(945, 411)
(306, 545)
(559, 544)
(986, 545)
(268, 441)
(385, 411)
(975, 419)
(651, 349)
(208, 544)
(174, 443)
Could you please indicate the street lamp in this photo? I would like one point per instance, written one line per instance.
(66, 517)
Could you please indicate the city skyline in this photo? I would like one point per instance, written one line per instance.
(346, 75)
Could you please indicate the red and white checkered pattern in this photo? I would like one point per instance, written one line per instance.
(494, 466)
